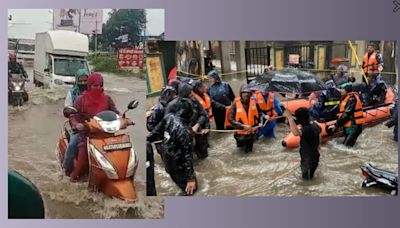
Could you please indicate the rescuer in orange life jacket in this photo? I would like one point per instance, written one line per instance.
(372, 62)
(270, 108)
(244, 116)
(350, 116)
(201, 118)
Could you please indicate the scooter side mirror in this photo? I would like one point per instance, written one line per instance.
(133, 104)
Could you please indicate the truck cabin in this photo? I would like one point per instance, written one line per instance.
(65, 66)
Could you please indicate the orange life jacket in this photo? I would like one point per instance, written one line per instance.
(248, 118)
(206, 103)
(371, 63)
(227, 114)
(358, 112)
(266, 106)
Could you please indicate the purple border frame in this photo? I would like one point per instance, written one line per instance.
(242, 20)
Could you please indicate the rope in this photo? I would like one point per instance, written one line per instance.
(205, 77)
(205, 131)
(329, 70)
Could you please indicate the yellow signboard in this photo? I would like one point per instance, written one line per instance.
(278, 59)
(155, 75)
(321, 58)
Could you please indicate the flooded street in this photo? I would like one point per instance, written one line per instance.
(272, 170)
(33, 133)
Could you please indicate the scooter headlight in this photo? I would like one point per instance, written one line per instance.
(104, 163)
(109, 126)
(17, 85)
(132, 163)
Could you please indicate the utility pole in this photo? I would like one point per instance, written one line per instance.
(396, 61)
(79, 20)
(53, 19)
(95, 38)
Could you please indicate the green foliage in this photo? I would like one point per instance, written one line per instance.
(121, 21)
(108, 63)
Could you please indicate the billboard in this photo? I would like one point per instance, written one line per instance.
(85, 21)
(130, 57)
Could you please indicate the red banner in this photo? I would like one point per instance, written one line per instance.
(130, 58)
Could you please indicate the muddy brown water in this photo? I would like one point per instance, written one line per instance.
(272, 170)
(33, 132)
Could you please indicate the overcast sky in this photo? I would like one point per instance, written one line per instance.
(27, 22)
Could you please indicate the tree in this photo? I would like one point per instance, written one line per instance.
(123, 21)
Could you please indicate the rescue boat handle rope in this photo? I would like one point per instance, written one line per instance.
(235, 130)
(205, 131)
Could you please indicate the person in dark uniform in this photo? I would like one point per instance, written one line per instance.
(327, 107)
(222, 96)
(309, 141)
(178, 146)
(393, 122)
(154, 117)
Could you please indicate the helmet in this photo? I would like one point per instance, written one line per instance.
(347, 86)
(245, 89)
(213, 74)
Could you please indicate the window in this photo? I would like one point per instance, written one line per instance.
(68, 67)
(26, 47)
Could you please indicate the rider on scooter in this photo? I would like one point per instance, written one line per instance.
(91, 102)
(15, 67)
(79, 87)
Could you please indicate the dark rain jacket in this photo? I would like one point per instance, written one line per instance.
(178, 145)
(158, 110)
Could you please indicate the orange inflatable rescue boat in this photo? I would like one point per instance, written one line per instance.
(373, 116)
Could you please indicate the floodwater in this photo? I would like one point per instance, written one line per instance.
(33, 133)
(272, 170)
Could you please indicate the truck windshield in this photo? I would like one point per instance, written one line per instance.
(12, 46)
(26, 47)
(68, 67)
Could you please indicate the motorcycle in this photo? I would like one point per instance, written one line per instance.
(17, 93)
(111, 161)
(379, 177)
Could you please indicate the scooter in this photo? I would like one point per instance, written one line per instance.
(17, 93)
(111, 161)
(379, 177)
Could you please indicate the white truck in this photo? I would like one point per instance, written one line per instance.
(59, 55)
(26, 51)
